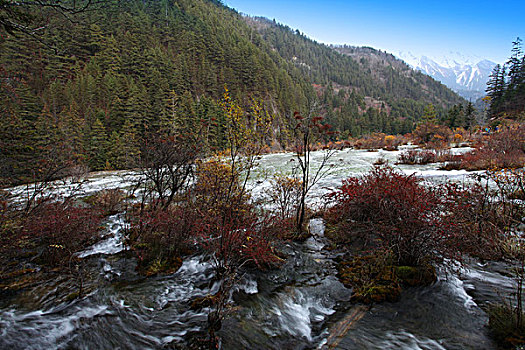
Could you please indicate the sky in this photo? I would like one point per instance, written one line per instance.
(426, 27)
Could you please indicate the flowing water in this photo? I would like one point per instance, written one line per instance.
(302, 305)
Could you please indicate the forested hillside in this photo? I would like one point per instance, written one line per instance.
(362, 89)
(89, 89)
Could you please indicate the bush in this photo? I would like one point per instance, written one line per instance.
(432, 135)
(285, 194)
(160, 237)
(229, 226)
(109, 202)
(58, 230)
(498, 150)
(373, 141)
(215, 217)
(417, 156)
(395, 211)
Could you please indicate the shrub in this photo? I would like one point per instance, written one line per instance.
(392, 142)
(215, 216)
(475, 220)
(373, 141)
(498, 150)
(380, 140)
(417, 156)
(109, 202)
(167, 165)
(229, 226)
(160, 236)
(432, 135)
(285, 194)
(395, 211)
(59, 230)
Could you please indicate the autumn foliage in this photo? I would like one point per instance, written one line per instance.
(426, 156)
(160, 236)
(229, 226)
(380, 141)
(431, 135)
(395, 211)
(52, 233)
(497, 150)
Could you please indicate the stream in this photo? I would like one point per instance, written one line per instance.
(301, 305)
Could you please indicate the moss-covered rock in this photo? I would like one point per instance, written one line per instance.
(374, 279)
(415, 275)
(161, 266)
(72, 296)
(507, 331)
(371, 278)
(379, 292)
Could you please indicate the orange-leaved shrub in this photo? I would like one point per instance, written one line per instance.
(497, 150)
(432, 135)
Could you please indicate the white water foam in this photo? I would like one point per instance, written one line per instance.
(52, 331)
(113, 244)
(297, 313)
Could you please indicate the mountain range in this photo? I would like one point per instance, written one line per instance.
(467, 75)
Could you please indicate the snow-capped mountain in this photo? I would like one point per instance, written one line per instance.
(467, 75)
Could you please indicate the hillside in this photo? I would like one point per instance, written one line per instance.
(89, 91)
(362, 89)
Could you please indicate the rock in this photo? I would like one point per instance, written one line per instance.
(416, 275)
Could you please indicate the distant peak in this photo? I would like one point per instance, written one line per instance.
(461, 72)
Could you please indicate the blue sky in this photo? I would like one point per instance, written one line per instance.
(425, 27)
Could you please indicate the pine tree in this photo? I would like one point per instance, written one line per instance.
(429, 115)
(97, 146)
(130, 149)
(470, 116)
(496, 88)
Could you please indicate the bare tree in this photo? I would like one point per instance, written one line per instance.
(309, 130)
(167, 166)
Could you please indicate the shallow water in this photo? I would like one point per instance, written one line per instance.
(299, 306)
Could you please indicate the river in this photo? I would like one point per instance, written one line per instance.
(302, 305)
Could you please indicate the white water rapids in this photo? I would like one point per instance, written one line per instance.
(293, 307)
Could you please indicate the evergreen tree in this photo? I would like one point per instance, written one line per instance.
(470, 116)
(97, 146)
(429, 115)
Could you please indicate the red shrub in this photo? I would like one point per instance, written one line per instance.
(477, 223)
(394, 210)
(417, 156)
(229, 227)
(161, 236)
(216, 217)
(235, 243)
(499, 150)
(60, 229)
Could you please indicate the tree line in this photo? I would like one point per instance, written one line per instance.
(506, 86)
